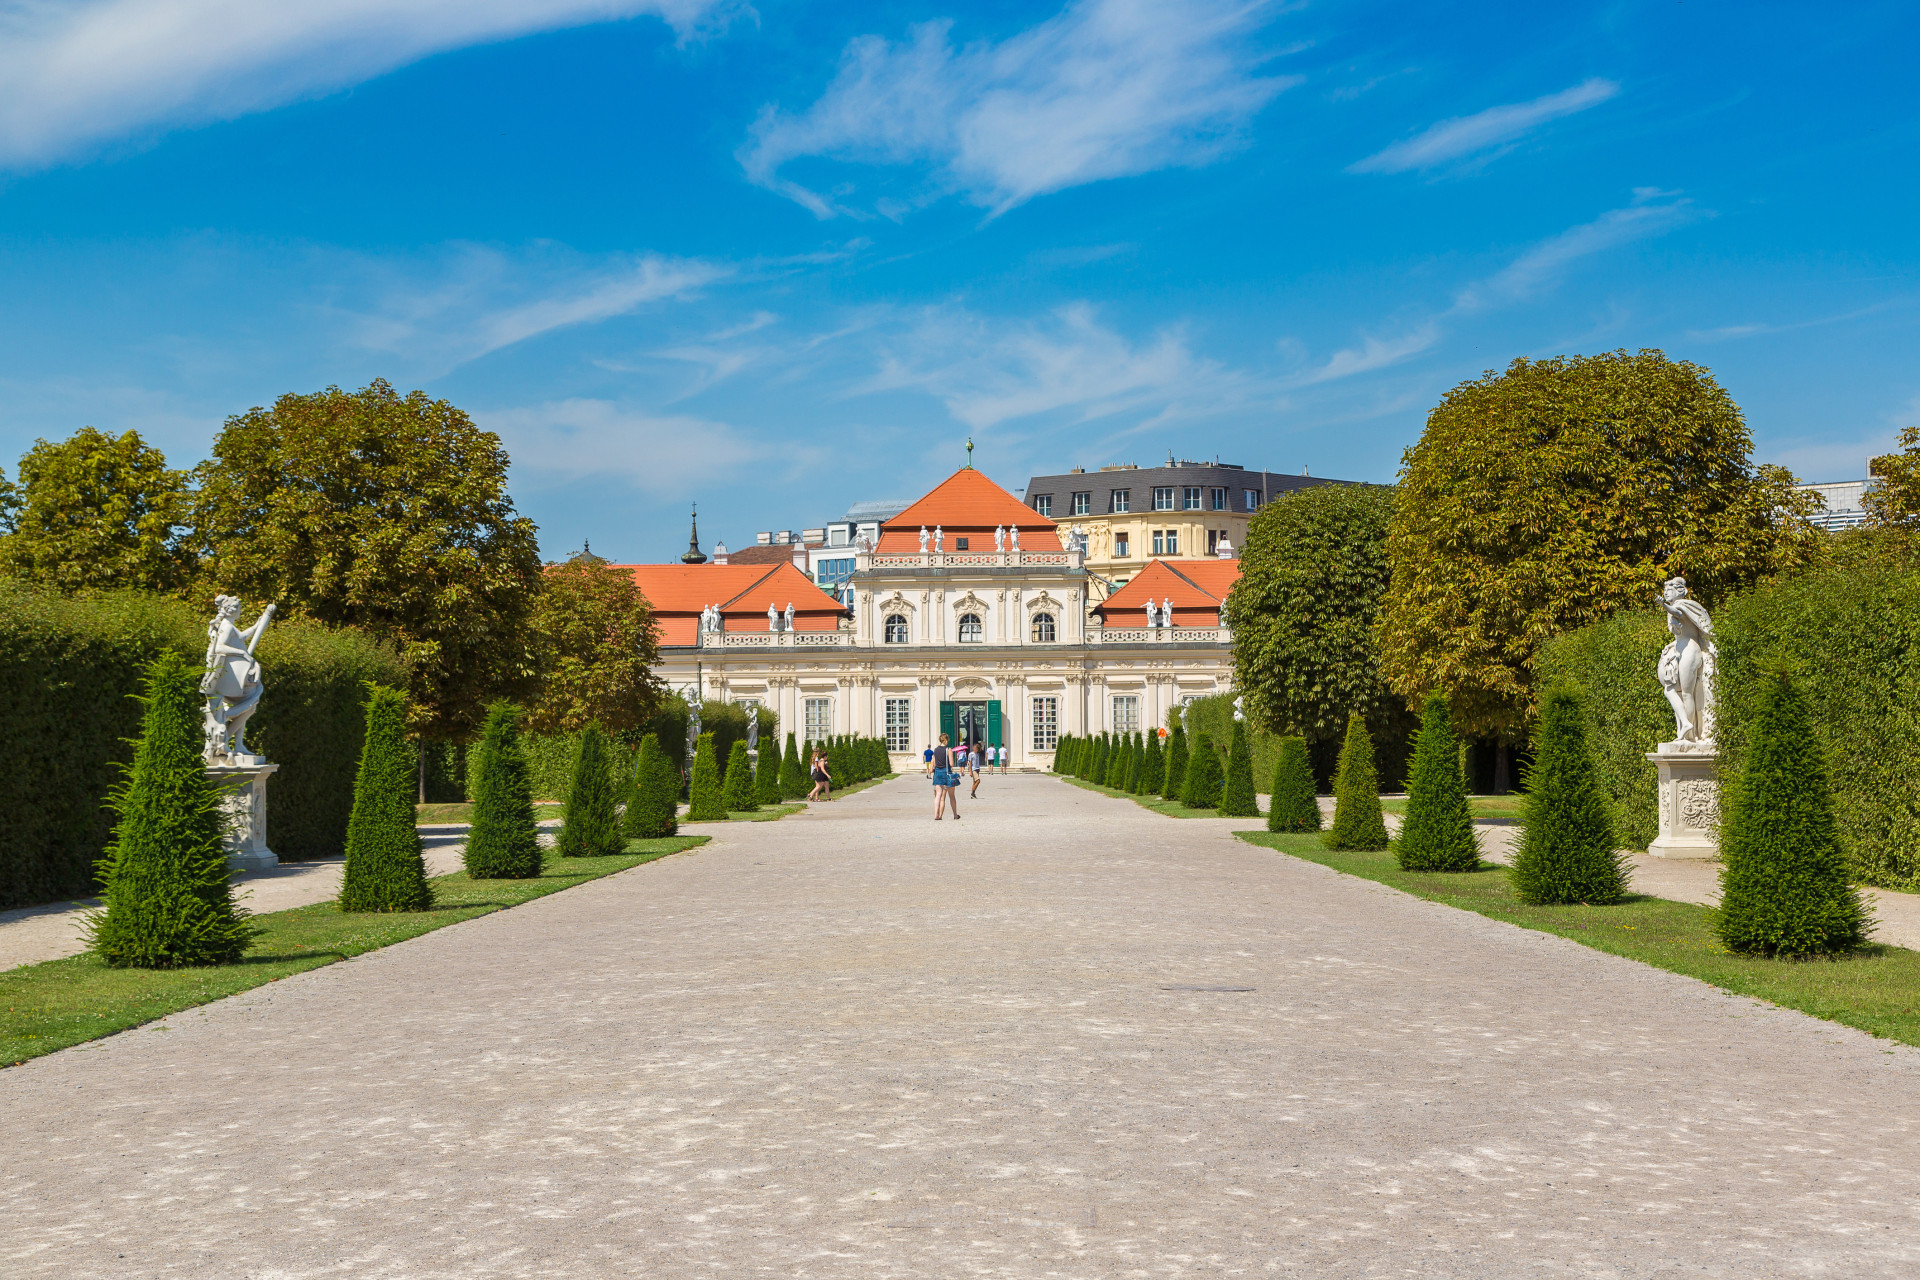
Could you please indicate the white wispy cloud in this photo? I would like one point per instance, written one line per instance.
(1066, 365)
(1533, 272)
(1485, 130)
(472, 300)
(1106, 89)
(667, 454)
(76, 74)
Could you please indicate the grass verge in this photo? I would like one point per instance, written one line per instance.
(50, 1006)
(1876, 989)
(1480, 806)
(1172, 808)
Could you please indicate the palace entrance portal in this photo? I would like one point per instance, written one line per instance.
(974, 723)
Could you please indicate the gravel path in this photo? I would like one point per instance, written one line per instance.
(855, 1043)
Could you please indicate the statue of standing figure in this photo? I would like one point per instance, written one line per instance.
(999, 537)
(1687, 668)
(924, 535)
(232, 682)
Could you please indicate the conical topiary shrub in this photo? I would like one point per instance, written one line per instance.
(736, 792)
(1200, 789)
(1238, 799)
(1122, 756)
(1155, 767)
(168, 896)
(1101, 753)
(1437, 832)
(592, 820)
(386, 869)
(705, 800)
(652, 809)
(504, 841)
(1784, 889)
(1566, 851)
(766, 774)
(1294, 804)
(793, 775)
(1175, 776)
(1357, 820)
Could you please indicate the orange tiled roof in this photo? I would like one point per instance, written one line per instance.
(1196, 587)
(969, 504)
(678, 592)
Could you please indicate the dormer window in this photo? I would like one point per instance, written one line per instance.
(959, 544)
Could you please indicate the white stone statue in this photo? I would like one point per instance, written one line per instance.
(939, 538)
(923, 539)
(789, 626)
(1239, 712)
(1686, 669)
(1166, 611)
(1013, 532)
(1153, 613)
(232, 682)
(773, 618)
(999, 537)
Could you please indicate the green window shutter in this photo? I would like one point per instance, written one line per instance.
(993, 723)
(949, 722)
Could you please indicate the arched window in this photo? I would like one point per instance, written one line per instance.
(896, 628)
(971, 632)
(1043, 629)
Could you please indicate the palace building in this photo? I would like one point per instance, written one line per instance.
(967, 616)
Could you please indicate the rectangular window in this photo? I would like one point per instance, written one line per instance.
(1120, 548)
(1253, 499)
(1213, 541)
(1046, 723)
(1126, 713)
(960, 544)
(899, 724)
(1043, 504)
(1190, 497)
(1219, 500)
(1163, 498)
(819, 719)
(837, 536)
(1122, 501)
(1083, 504)
(1166, 542)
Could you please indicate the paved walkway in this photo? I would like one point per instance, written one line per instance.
(1064, 1037)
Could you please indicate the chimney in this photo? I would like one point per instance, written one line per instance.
(719, 553)
(800, 555)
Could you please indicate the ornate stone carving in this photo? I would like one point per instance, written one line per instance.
(1687, 670)
(232, 682)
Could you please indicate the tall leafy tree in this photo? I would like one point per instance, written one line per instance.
(98, 511)
(1549, 496)
(1894, 502)
(1313, 576)
(595, 647)
(385, 512)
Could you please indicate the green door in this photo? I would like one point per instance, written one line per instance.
(993, 723)
(949, 723)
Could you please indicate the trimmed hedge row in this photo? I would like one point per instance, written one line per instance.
(1850, 639)
(68, 668)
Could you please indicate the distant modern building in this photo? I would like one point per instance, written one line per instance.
(824, 554)
(1128, 515)
(1846, 503)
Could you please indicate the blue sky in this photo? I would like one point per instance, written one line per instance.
(779, 258)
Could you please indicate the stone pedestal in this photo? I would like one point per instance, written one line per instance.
(1689, 802)
(244, 798)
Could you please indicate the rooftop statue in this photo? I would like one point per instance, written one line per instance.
(1687, 668)
(232, 682)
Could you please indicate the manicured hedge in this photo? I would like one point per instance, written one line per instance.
(67, 670)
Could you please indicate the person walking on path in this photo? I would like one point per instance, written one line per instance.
(973, 770)
(822, 778)
(945, 780)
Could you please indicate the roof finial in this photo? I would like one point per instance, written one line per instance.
(694, 554)
(969, 453)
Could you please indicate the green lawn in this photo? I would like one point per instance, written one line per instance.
(1172, 808)
(1507, 806)
(1876, 989)
(49, 1006)
(544, 810)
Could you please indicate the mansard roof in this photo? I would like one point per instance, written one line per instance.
(968, 502)
(678, 592)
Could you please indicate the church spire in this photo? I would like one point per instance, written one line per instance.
(694, 554)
